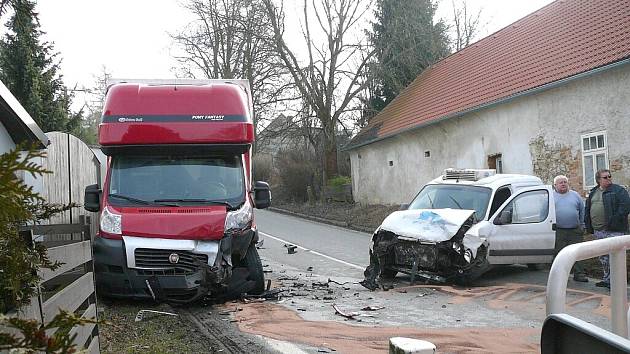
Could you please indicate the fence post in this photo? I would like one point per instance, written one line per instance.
(618, 293)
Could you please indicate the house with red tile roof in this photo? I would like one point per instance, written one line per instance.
(546, 95)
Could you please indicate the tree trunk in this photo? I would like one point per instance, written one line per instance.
(330, 152)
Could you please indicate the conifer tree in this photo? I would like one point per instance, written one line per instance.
(29, 68)
(407, 40)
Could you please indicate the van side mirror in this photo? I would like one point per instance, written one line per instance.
(92, 198)
(504, 218)
(403, 206)
(262, 195)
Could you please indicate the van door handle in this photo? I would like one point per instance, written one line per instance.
(553, 226)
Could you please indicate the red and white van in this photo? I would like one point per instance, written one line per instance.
(176, 207)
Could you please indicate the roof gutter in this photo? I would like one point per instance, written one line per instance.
(29, 127)
(497, 102)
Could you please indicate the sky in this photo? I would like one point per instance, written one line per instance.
(131, 37)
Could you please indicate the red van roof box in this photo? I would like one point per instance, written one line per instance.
(165, 112)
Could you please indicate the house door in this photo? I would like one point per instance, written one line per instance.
(495, 162)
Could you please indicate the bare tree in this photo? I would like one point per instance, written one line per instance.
(232, 39)
(331, 77)
(466, 26)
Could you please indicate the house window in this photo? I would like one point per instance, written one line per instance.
(495, 162)
(594, 156)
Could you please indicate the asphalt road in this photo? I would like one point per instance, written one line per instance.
(329, 250)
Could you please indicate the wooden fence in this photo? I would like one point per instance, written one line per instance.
(70, 287)
(73, 166)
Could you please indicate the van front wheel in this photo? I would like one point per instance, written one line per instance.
(254, 266)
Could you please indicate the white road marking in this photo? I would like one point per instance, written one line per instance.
(313, 252)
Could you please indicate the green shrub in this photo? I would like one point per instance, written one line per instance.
(339, 181)
(20, 260)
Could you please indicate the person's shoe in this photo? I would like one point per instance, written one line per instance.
(580, 278)
(603, 284)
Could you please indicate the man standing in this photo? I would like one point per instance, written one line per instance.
(606, 214)
(569, 220)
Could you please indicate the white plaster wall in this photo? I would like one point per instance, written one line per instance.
(560, 115)
(6, 142)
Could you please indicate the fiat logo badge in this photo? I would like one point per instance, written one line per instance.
(173, 258)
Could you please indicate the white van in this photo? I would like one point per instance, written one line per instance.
(462, 223)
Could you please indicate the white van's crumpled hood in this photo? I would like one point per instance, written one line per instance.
(431, 225)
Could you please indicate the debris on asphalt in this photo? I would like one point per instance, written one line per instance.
(350, 315)
(227, 312)
(260, 244)
(319, 284)
(267, 271)
(142, 314)
(339, 283)
(299, 293)
(291, 249)
(372, 308)
(309, 269)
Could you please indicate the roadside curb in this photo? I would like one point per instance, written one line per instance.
(323, 220)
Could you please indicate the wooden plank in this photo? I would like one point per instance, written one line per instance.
(72, 255)
(57, 183)
(57, 229)
(83, 332)
(94, 347)
(84, 171)
(70, 298)
(31, 311)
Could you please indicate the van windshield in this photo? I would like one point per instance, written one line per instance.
(438, 196)
(177, 180)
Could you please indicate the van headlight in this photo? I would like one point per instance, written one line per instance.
(111, 223)
(238, 220)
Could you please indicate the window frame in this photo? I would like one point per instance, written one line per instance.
(518, 196)
(593, 153)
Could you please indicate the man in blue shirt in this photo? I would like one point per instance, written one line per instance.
(569, 220)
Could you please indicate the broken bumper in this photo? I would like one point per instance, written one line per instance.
(136, 268)
(437, 262)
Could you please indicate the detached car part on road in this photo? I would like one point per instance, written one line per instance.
(461, 224)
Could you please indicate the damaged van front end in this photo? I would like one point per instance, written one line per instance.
(434, 244)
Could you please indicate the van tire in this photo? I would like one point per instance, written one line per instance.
(480, 267)
(254, 266)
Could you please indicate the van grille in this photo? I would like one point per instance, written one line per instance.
(192, 211)
(159, 259)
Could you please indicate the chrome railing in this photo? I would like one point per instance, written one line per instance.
(558, 276)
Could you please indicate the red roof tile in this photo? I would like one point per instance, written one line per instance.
(564, 38)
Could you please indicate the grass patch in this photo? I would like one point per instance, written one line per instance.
(154, 334)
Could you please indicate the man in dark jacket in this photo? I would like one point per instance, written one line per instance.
(606, 214)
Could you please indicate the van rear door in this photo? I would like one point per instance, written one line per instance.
(524, 228)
